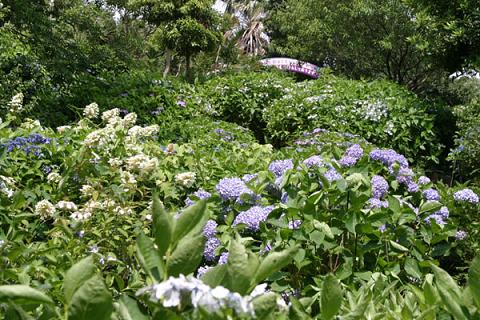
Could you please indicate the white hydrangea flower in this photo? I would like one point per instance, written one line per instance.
(81, 214)
(30, 124)
(129, 120)
(128, 180)
(186, 179)
(142, 163)
(115, 162)
(6, 185)
(91, 111)
(54, 177)
(66, 205)
(16, 104)
(63, 129)
(108, 115)
(45, 209)
(87, 190)
(123, 211)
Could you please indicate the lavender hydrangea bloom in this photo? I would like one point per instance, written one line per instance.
(332, 175)
(295, 224)
(466, 195)
(313, 161)
(284, 198)
(439, 219)
(431, 194)
(210, 246)
(424, 180)
(209, 230)
(223, 258)
(375, 203)
(412, 187)
(249, 177)
(461, 235)
(388, 157)
(232, 188)
(443, 212)
(279, 167)
(253, 217)
(202, 270)
(379, 187)
(382, 228)
(403, 175)
(351, 156)
(200, 195)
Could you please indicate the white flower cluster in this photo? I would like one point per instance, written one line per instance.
(128, 181)
(186, 179)
(66, 205)
(87, 190)
(63, 129)
(45, 209)
(389, 128)
(16, 104)
(373, 111)
(54, 177)
(175, 291)
(6, 185)
(142, 163)
(123, 211)
(30, 124)
(91, 111)
(136, 132)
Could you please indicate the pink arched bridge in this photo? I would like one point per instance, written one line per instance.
(292, 65)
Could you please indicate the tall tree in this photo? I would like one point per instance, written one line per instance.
(183, 27)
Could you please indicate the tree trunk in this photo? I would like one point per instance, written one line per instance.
(168, 62)
(188, 71)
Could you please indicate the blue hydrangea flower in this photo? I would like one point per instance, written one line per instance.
(412, 187)
(223, 258)
(294, 224)
(375, 203)
(466, 195)
(279, 167)
(382, 228)
(249, 177)
(461, 235)
(202, 270)
(253, 217)
(403, 175)
(313, 161)
(439, 219)
(388, 157)
(210, 246)
(443, 212)
(431, 194)
(209, 230)
(423, 180)
(232, 188)
(379, 187)
(200, 194)
(332, 175)
(351, 156)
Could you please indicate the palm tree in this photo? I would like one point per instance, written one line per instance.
(253, 40)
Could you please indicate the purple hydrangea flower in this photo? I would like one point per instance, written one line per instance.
(423, 180)
(313, 161)
(210, 246)
(181, 103)
(382, 228)
(295, 224)
(249, 177)
(443, 212)
(461, 235)
(232, 188)
(389, 157)
(253, 217)
(284, 198)
(223, 258)
(466, 195)
(209, 230)
(332, 175)
(375, 203)
(439, 219)
(279, 167)
(202, 270)
(200, 194)
(431, 194)
(403, 175)
(412, 187)
(379, 187)
(351, 156)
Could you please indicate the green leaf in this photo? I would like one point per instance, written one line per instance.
(187, 256)
(23, 294)
(273, 262)
(162, 226)
(91, 301)
(411, 267)
(265, 305)
(351, 222)
(398, 246)
(474, 280)
(324, 228)
(429, 206)
(297, 311)
(332, 297)
(149, 258)
(189, 219)
(76, 276)
(241, 267)
(449, 292)
(214, 276)
(128, 309)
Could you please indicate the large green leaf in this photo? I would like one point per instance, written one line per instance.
(241, 267)
(449, 292)
(474, 280)
(187, 256)
(189, 219)
(273, 262)
(149, 258)
(23, 294)
(128, 309)
(162, 226)
(265, 305)
(332, 297)
(214, 276)
(76, 276)
(91, 301)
